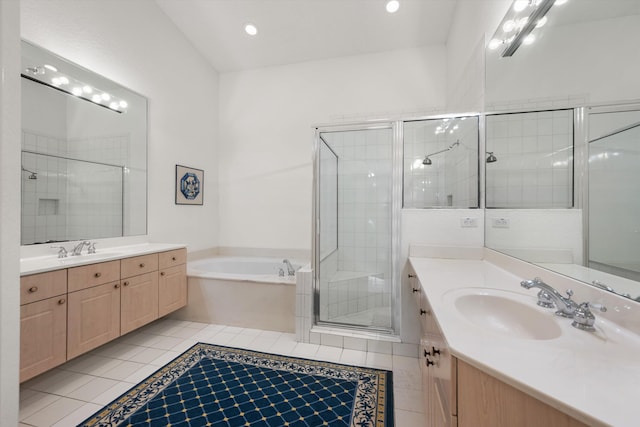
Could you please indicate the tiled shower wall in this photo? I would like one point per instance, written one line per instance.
(535, 160)
(71, 199)
(452, 178)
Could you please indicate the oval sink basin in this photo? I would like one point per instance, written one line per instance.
(503, 312)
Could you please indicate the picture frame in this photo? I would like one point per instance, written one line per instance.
(189, 186)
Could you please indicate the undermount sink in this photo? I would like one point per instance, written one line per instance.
(505, 312)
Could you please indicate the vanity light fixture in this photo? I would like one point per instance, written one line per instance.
(49, 75)
(523, 17)
(393, 6)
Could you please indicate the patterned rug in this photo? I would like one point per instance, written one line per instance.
(211, 385)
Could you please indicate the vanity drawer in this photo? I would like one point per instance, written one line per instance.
(37, 287)
(172, 258)
(93, 275)
(139, 265)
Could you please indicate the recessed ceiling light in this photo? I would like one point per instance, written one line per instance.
(251, 29)
(393, 6)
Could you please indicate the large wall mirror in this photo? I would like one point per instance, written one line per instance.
(84, 153)
(564, 114)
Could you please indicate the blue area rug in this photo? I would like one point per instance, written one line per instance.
(211, 385)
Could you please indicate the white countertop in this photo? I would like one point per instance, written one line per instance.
(42, 264)
(593, 377)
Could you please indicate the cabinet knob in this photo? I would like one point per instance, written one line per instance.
(142, 265)
(429, 362)
(173, 258)
(61, 301)
(98, 274)
(422, 312)
(435, 350)
(414, 290)
(33, 289)
(162, 273)
(117, 285)
(411, 276)
(126, 283)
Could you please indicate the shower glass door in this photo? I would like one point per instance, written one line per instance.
(354, 213)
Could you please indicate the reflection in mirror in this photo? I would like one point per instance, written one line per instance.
(84, 153)
(583, 58)
(441, 163)
(535, 169)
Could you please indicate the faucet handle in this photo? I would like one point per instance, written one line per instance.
(62, 252)
(92, 248)
(545, 300)
(583, 318)
(569, 293)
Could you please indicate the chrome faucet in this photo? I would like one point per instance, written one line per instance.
(566, 306)
(290, 270)
(62, 252)
(77, 250)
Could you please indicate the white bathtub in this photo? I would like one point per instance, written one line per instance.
(241, 291)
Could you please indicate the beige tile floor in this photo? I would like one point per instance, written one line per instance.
(70, 393)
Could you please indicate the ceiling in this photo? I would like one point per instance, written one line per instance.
(291, 31)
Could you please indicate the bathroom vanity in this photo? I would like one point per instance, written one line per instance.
(491, 357)
(69, 306)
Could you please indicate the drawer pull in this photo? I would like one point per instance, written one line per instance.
(411, 276)
(414, 290)
(142, 265)
(61, 301)
(435, 350)
(33, 289)
(162, 273)
(126, 283)
(117, 285)
(430, 363)
(173, 258)
(98, 274)
(422, 312)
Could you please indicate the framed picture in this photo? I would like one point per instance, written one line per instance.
(189, 186)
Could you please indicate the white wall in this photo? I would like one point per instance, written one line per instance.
(136, 45)
(266, 118)
(472, 20)
(9, 212)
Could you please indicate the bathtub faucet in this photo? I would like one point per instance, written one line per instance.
(290, 270)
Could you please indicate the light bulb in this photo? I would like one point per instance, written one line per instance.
(64, 80)
(251, 29)
(529, 39)
(114, 105)
(541, 22)
(77, 91)
(96, 98)
(393, 6)
(87, 89)
(508, 26)
(123, 104)
(522, 22)
(106, 96)
(56, 81)
(520, 5)
(50, 67)
(494, 44)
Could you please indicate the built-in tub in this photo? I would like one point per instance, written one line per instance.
(241, 291)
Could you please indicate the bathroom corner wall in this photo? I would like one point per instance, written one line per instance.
(266, 118)
(9, 212)
(135, 44)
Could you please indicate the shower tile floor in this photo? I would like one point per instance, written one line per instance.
(73, 391)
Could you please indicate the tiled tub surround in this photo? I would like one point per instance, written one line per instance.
(592, 377)
(241, 298)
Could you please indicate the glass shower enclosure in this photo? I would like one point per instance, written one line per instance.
(356, 216)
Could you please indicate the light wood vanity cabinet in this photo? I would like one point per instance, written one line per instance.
(457, 394)
(67, 312)
(43, 322)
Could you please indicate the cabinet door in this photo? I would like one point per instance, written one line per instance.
(94, 318)
(172, 289)
(43, 336)
(139, 300)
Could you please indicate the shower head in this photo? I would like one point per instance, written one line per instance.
(491, 158)
(426, 161)
(34, 175)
